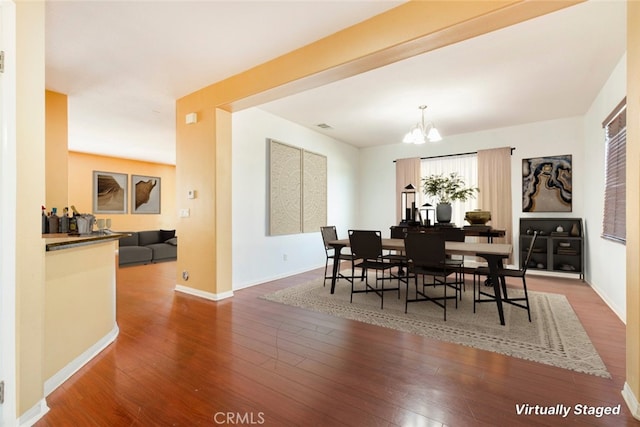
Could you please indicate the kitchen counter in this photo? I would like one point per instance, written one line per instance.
(80, 301)
(54, 242)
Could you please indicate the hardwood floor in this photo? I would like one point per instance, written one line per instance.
(182, 361)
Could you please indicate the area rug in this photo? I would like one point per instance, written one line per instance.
(554, 337)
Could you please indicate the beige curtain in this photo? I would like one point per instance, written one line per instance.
(407, 172)
(494, 182)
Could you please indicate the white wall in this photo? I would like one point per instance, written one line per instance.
(258, 257)
(553, 137)
(606, 266)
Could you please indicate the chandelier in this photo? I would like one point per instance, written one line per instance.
(422, 132)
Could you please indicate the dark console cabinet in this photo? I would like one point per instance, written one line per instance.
(559, 246)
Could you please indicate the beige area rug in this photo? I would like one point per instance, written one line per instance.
(554, 337)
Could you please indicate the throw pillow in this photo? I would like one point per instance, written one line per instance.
(167, 234)
(172, 241)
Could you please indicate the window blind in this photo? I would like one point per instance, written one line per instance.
(614, 216)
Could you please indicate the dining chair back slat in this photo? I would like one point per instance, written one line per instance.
(527, 259)
(425, 249)
(329, 233)
(366, 244)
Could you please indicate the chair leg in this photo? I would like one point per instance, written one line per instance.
(526, 297)
(444, 302)
(353, 271)
(474, 292)
(406, 297)
(326, 265)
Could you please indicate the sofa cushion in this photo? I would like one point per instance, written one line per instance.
(134, 255)
(163, 251)
(144, 247)
(149, 237)
(167, 234)
(131, 240)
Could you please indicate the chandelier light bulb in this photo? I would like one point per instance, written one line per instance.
(422, 132)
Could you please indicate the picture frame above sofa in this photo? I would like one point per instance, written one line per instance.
(145, 194)
(109, 192)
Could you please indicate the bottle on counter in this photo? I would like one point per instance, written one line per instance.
(54, 222)
(64, 221)
(45, 221)
(73, 221)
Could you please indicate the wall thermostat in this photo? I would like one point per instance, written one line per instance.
(191, 194)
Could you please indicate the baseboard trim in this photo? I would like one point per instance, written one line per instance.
(262, 280)
(606, 300)
(632, 401)
(65, 373)
(34, 414)
(203, 294)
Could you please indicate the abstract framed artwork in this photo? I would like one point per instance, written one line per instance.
(145, 194)
(109, 192)
(547, 184)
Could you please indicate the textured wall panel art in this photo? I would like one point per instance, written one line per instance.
(314, 192)
(547, 184)
(285, 195)
(297, 189)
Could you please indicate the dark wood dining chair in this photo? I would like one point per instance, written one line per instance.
(503, 273)
(398, 256)
(426, 257)
(366, 247)
(453, 234)
(330, 233)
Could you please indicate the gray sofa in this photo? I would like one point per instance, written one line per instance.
(144, 247)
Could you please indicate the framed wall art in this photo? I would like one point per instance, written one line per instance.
(547, 184)
(109, 192)
(145, 194)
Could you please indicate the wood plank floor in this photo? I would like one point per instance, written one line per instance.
(183, 361)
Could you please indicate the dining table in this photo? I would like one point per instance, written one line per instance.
(493, 253)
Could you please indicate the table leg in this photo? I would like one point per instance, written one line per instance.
(495, 263)
(336, 266)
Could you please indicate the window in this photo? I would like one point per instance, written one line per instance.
(466, 166)
(613, 220)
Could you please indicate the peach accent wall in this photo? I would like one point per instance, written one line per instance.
(633, 210)
(81, 167)
(56, 143)
(30, 194)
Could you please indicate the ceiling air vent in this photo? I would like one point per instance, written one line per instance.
(324, 126)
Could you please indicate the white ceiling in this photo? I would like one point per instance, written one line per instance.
(123, 65)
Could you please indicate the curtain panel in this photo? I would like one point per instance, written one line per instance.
(494, 181)
(407, 172)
